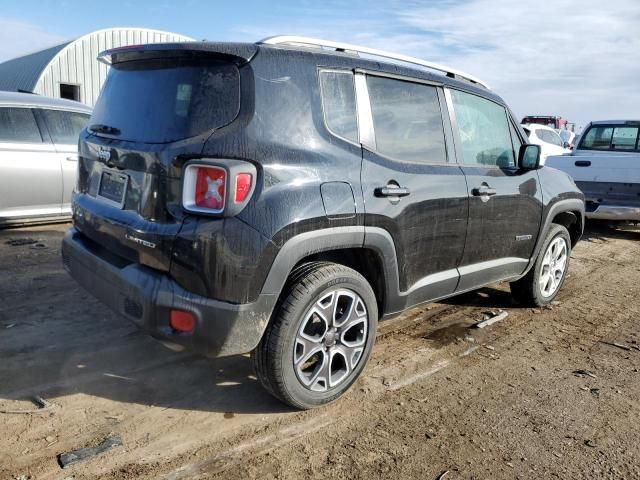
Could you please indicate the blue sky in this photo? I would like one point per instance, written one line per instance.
(575, 58)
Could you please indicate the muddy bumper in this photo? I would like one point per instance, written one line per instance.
(146, 297)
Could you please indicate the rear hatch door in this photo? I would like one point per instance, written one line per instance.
(156, 110)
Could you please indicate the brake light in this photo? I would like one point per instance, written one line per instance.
(218, 186)
(210, 188)
(243, 187)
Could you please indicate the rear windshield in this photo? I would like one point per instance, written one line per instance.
(611, 137)
(159, 101)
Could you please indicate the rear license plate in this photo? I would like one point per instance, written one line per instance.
(113, 188)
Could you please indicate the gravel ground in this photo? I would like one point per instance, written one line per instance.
(437, 398)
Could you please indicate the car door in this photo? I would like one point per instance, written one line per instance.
(505, 203)
(412, 187)
(30, 173)
(64, 129)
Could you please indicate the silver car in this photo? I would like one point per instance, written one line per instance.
(38, 156)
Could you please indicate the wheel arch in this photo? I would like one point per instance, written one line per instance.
(568, 213)
(372, 255)
(573, 222)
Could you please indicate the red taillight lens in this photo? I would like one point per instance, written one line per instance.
(219, 187)
(243, 187)
(210, 188)
(182, 321)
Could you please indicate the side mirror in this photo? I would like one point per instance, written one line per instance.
(529, 157)
(566, 145)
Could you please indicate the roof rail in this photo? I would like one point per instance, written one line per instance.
(292, 40)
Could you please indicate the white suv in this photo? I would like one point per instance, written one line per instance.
(548, 139)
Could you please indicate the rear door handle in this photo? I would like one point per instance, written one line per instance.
(583, 163)
(72, 159)
(391, 191)
(484, 191)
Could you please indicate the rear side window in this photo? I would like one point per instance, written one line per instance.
(19, 125)
(484, 131)
(609, 137)
(407, 120)
(64, 127)
(339, 104)
(160, 101)
(624, 138)
(550, 137)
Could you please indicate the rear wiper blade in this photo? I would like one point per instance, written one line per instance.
(99, 128)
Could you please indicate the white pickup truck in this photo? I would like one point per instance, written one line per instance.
(606, 167)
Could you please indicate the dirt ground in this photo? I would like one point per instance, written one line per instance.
(438, 399)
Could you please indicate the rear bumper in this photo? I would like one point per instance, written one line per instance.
(146, 296)
(615, 212)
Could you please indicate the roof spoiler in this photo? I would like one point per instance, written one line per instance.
(239, 53)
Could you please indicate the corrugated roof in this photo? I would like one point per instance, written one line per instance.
(22, 73)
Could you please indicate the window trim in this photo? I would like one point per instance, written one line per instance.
(322, 105)
(40, 127)
(397, 76)
(456, 130)
(612, 126)
(362, 90)
(365, 115)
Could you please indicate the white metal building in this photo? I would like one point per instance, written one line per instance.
(70, 70)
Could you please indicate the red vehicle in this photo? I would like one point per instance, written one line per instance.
(550, 121)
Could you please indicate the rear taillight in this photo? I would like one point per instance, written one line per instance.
(210, 188)
(217, 186)
(243, 187)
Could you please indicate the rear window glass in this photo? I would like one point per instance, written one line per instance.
(18, 125)
(159, 101)
(64, 127)
(610, 138)
(339, 104)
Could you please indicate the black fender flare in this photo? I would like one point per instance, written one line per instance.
(570, 205)
(336, 238)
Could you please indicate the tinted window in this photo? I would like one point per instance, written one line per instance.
(611, 137)
(407, 120)
(65, 127)
(158, 101)
(484, 131)
(624, 138)
(339, 104)
(598, 138)
(18, 125)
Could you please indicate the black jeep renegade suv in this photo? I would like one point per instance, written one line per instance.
(281, 200)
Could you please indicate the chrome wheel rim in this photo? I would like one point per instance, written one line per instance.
(554, 264)
(331, 340)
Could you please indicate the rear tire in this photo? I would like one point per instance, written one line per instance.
(320, 336)
(543, 282)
